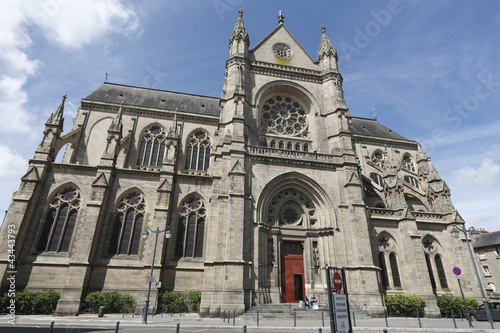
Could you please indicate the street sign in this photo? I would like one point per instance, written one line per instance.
(151, 279)
(457, 271)
(158, 284)
(341, 314)
(334, 291)
(337, 281)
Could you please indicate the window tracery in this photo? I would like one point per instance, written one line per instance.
(191, 228)
(198, 151)
(60, 221)
(378, 159)
(292, 208)
(377, 179)
(408, 163)
(284, 115)
(152, 149)
(126, 234)
(412, 181)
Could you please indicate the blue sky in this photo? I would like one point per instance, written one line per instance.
(429, 68)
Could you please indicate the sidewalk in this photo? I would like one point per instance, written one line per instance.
(194, 321)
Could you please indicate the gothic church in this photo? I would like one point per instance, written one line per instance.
(259, 189)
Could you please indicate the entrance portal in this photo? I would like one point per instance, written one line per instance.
(292, 272)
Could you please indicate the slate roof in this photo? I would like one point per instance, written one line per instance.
(169, 100)
(371, 127)
(153, 98)
(489, 239)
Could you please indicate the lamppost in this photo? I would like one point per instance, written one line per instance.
(145, 236)
(455, 232)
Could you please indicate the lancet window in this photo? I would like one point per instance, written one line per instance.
(198, 151)
(127, 228)
(60, 221)
(152, 149)
(408, 163)
(191, 228)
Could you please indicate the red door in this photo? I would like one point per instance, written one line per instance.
(292, 272)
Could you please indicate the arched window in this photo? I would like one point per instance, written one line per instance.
(191, 228)
(282, 145)
(284, 115)
(127, 228)
(431, 274)
(440, 271)
(412, 181)
(198, 151)
(378, 158)
(395, 272)
(383, 272)
(377, 179)
(60, 221)
(152, 149)
(408, 163)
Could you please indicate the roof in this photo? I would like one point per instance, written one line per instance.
(489, 239)
(371, 127)
(153, 98)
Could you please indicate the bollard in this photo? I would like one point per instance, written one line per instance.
(419, 323)
(386, 323)
(177, 330)
(461, 317)
(257, 318)
(453, 316)
(323, 319)
(117, 326)
(234, 316)
(228, 316)
(51, 326)
(244, 328)
(224, 317)
(294, 318)
(354, 318)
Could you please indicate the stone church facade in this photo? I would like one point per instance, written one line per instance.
(260, 188)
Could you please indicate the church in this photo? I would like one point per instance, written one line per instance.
(259, 190)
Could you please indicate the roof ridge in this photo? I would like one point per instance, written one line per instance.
(159, 90)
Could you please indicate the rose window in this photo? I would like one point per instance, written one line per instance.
(284, 115)
(282, 51)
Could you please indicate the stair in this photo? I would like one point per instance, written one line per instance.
(286, 311)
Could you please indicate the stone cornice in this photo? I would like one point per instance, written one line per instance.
(288, 72)
(385, 141)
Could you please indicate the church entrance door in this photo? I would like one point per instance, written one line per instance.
(292, 272)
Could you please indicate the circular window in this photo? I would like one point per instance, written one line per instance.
(290, 214)
(283, 115)
(282, 51)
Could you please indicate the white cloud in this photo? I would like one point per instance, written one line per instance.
(73, 24)
(484, 175)
(70, 24)
(11, 164)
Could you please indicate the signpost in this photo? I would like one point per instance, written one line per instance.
(457, 271)
(338, 300)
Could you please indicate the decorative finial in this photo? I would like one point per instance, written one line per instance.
(281, 18)
(240, 13)
(64, 97)
(323, 29)
(374, 115)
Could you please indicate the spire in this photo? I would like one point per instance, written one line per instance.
(239, 31)
(325, 47)
(281, 18)
(57, 118)
(116, 125)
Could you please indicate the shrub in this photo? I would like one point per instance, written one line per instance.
(404, 305)
(447, 304)
(28, 302)
(111, 300)
(181, 301)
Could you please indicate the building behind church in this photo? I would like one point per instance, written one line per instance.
(260, 189)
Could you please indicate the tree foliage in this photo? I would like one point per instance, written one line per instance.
(181, 301)
(29, 302)
(447, 304)
(404, 305)
(112, 301)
